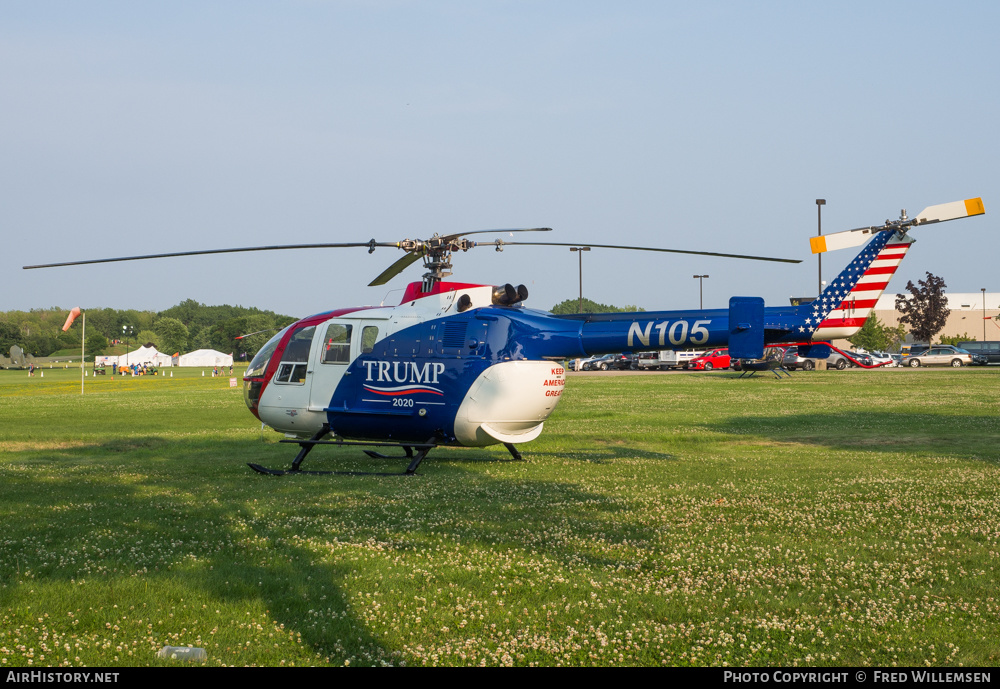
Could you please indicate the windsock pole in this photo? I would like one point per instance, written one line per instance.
(83, 360)
(74, 312)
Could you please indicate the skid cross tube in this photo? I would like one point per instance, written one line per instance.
(317, 439)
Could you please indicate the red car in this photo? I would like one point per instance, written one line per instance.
(717, 358)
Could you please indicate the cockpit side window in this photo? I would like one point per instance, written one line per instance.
(337, 344)
(295, 359)
(369, 336)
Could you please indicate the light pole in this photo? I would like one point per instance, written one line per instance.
(581, 249)
(701, 293)
(819, 233)
(126, 331)
(983, 290)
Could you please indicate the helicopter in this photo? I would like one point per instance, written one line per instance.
(462, 364)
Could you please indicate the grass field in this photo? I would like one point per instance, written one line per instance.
(835, 518)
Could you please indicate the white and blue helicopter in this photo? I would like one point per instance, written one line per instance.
(458, 364)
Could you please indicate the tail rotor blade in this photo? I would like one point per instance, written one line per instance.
(932, 214)
(951, 211)
(842, 240)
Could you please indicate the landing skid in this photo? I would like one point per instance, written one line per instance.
(306, 447)
(317, 439)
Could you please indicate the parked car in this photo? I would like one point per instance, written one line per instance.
(601, 363)
(990, 350)
(883, 359)
(717, 358)
(939, 356)
(627, 361)
(917, 349)
(571, 364)
(840, 361)
(792, 360)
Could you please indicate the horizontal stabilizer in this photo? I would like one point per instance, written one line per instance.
(951, 211)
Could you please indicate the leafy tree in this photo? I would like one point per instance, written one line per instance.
(10, 335)
(187, 312)
(96, 342)
(573, 306)
(954, 340)
(144, 338)
(70, 338)
(104, 321)
(140, 320)
(40, 343)
(874, 336)
(263, 327)
(199, 338)
(173, 335)
(926, 309)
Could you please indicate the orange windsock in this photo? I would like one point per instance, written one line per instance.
(71, 317)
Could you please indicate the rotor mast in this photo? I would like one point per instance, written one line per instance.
(436, 254)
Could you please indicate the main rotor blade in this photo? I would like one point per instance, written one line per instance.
(396, 268)
(257, 332)
(279, 247)
(649, 248)
(448, 237)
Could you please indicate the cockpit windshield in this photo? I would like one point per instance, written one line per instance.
(259, 363)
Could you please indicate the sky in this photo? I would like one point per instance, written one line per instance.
(134, 128)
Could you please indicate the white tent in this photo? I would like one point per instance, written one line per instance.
(205, 357)
(145, 355)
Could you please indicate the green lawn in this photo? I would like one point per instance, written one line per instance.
(834, 518)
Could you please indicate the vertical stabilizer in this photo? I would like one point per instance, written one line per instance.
(844, 305)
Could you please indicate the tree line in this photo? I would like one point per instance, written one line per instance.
(185, 327)
(588, 306)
